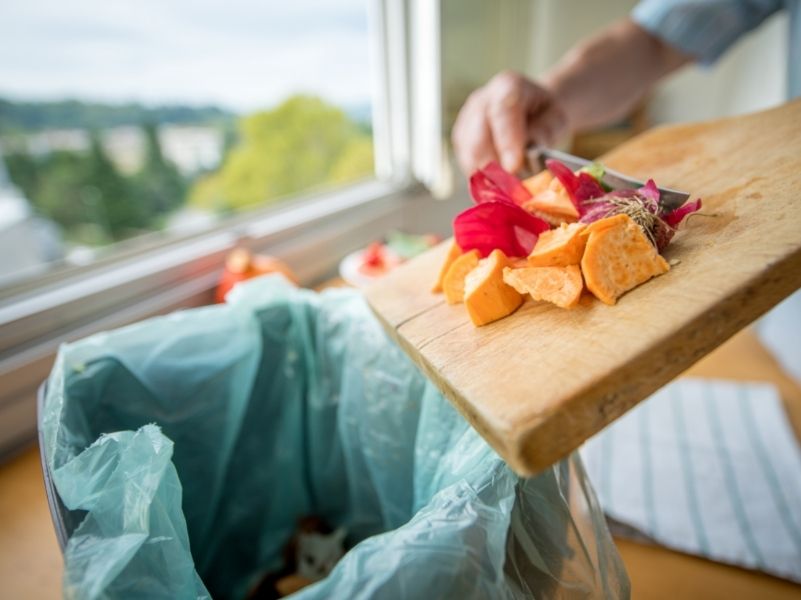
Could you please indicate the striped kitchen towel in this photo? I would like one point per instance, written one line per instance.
(707, 467)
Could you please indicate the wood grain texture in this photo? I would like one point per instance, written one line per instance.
(539, 383)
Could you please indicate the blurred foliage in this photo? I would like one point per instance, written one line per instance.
(86, 195)
(303, 143)
(159, 187)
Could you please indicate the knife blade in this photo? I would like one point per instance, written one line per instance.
(537, 155)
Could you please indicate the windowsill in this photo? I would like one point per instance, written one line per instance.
(310, 235)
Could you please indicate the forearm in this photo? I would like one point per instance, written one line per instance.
(602, 79)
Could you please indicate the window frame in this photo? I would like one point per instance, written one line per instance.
(312, 233)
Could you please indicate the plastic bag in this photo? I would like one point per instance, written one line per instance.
(187, 446)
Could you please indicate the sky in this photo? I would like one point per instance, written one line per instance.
(239, 54)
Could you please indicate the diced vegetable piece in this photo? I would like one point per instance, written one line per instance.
(539, 182)
(486, 296)
(454, 280)
(559, 247)
(553, 201)
(454, 252)
(618, 257)
(561, 286)
(554, 220)
(601, 224)
(494, 184)
(500, 225)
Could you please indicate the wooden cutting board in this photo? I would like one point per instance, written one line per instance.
(540, 382)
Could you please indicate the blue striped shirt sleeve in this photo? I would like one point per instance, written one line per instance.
(704, 29)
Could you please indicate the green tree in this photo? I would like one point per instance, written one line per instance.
(109, 198)
(59, 193)
(23, 170)
(160, 187)
(83, 193)
(302, 143)
(355, 162)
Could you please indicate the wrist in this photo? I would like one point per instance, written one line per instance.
(553, 84)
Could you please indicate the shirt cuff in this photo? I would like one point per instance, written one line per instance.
(702, 29)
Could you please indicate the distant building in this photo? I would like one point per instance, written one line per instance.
(191, 148)
(28, 243)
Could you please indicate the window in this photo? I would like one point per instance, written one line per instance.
(125, 124)
(166, 105)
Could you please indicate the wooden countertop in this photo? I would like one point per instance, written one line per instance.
(31, 567)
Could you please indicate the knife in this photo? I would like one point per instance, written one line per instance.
(537, 155)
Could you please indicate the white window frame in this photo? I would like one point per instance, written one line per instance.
(311, 233)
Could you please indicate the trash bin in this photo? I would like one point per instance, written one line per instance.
(184, 449)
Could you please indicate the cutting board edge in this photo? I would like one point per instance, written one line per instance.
(654, 133)
(736, 314)
(481, 423)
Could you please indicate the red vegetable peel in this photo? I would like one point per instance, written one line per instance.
(586, 189)
(500, 225)
(565, 176)
(494, 184)
(580, 188)
(675, 217)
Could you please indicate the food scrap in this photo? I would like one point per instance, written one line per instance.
(377, 259)
(551, 236)
(487, 296)
(454, 252)
(364, 266)
(241, 265)
(453, 283)
(618, 257)
(559, 247)
(561, 286)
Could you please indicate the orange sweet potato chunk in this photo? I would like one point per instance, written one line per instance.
(601, 224)
(561, 286)
(539, 182)
(618, 257)
(454, 252)
(560, 247)
(486, 296)
(453, 282)
(553, 202)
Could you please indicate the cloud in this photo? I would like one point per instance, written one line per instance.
(238, 53)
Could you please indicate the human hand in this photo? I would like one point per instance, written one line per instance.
(500, 119)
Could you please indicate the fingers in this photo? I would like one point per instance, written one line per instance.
(501, 119)
(471, 137)
(506, 115)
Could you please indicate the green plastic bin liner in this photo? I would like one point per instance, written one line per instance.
(186, 447)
